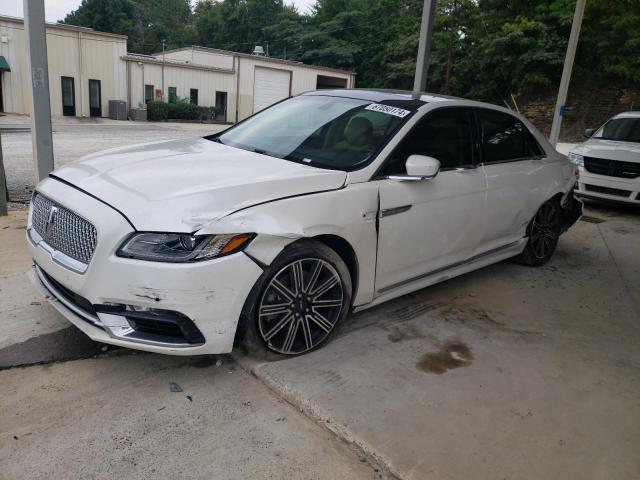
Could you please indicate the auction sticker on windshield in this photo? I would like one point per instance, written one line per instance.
(395, 111)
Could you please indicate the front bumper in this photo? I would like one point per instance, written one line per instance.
(612, 189)
(207, 297)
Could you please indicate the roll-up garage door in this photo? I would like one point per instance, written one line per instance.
(269, 86)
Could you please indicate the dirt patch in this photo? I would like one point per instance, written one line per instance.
(453, 354)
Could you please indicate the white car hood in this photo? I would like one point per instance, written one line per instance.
(610, 150)
(181, 185)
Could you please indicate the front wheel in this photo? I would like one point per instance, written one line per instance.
(544, 233)
(298, 301)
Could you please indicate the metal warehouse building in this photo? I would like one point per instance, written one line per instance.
(88, 68)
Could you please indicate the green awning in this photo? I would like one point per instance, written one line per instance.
(4, 66)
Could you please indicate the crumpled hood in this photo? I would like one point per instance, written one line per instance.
(610, 150)
(181, 185)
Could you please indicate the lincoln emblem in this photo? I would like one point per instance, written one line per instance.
(53, 211)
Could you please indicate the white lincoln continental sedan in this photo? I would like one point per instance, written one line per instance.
(273, 231)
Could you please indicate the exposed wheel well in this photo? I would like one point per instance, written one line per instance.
(558, 196)
(346, 252)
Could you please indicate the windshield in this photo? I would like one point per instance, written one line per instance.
(328, 132)
(621, 129)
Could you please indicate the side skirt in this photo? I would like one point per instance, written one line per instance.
(445, 273)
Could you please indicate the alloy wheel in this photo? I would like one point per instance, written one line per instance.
(300, 306)
(544, 231)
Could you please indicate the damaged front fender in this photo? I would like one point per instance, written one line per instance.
(349, 213)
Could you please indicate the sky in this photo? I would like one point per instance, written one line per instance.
(57, 9)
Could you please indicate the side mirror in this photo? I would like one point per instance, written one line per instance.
(419, 168)
(588, 133)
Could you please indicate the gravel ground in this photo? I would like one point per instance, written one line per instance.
(72, 141)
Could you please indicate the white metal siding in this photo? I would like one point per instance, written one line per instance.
(303, 79)
(85, 55)
(183, 79)
(270, 86)
(82, 56)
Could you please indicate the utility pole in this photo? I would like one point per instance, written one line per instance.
(163, 44)
(424, 48)
(4, 191)
(566, 72)
(41, 137)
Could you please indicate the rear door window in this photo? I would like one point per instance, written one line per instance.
(505, 138)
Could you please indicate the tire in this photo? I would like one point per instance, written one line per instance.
(543, 232)
(298, 302)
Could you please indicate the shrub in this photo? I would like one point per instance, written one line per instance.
(181, 109)
(157, 111)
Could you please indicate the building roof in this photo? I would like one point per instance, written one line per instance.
(64, 26)
(138, 57)
(258, 57)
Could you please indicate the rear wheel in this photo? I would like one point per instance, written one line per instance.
(299, 300)
(544, 233)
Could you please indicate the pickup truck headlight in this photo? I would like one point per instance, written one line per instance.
(577, 159)
(180, 247)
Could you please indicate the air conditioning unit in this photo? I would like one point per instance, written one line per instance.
(117, 110)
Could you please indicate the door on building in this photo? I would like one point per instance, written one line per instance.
(68, 97)
(95, 100)
(324, 82)
(1, 94)
(148, 93)
(270, 86)
(221, 106)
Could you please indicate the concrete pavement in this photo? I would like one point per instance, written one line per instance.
(506, 373)
(116, 417)
(32, 331)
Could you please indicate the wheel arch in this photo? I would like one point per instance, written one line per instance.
(346, 252)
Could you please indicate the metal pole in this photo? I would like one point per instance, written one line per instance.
(566, 72)
(424, 47)
(4, 192)
(41, 138)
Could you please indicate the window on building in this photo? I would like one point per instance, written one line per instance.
(193, 96)
(173, 94)
(148, 93)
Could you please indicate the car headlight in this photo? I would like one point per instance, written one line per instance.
(181, 247)
(576, 159)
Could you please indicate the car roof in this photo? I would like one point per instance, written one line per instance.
(382, 95)
(628, 115)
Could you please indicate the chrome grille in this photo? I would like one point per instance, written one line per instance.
(68, 233)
